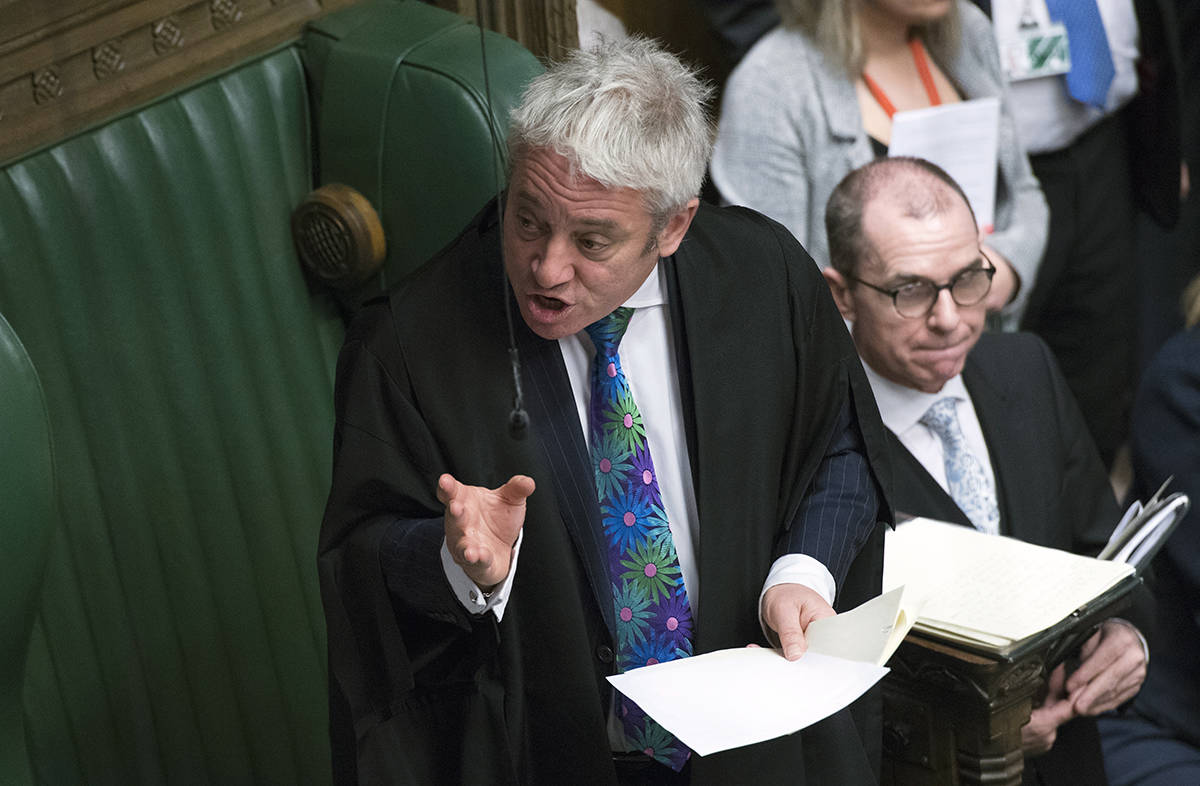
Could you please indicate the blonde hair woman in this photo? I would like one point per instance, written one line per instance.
(813, 100)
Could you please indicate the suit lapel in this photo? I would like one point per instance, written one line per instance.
(555, 425)
(1009, 449)
(917, 492)
(706, 388)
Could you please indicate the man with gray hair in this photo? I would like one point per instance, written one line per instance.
(982, 429)
(698, 471)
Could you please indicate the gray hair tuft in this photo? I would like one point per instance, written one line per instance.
(628, 114)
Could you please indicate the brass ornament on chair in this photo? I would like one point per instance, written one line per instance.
(338, 236)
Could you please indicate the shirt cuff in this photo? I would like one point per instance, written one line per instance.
(472, 598)
(796, 569)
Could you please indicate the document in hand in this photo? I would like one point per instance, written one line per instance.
(991, 592)
(1144, 529)
(962, 138)
(736, 697)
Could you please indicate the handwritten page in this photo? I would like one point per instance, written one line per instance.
(736, 697)
(962, 138)
(990, 588)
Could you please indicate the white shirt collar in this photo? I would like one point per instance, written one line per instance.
(901, 407)
(652, 292)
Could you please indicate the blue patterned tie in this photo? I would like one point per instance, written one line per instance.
(970, 485)
(1092, 68)
(654, 618)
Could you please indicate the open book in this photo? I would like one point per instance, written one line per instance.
(991, 593)
(1144, 529)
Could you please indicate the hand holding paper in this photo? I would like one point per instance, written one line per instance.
(737, 697)
(788, 610)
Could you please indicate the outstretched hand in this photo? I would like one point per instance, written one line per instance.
(482, 525)
(788, 609)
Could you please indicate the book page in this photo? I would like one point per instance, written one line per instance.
(1003, 589)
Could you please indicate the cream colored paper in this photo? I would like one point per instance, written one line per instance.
(990, 589)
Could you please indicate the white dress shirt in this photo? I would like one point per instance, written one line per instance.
(648, 359)
(901, 409)
(1048, 119)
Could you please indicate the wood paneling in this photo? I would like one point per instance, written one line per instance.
(68, 64)
(681, 25)
(545, 27)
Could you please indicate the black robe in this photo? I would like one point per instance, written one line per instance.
(422, 691)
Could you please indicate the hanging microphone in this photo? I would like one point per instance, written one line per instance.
(518, 419)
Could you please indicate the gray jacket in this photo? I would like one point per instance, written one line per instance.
(790, 130)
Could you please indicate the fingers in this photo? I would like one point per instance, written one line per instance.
(515, 491)
(792, 641)
(1110, 689)
(447, 488)
(1094, 660)
(788, 609)
(1112, 670)
(1039, 734)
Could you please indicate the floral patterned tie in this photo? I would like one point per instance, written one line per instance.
(970, 485)
(654, 618)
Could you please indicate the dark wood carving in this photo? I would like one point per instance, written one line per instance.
(69, 64)
(548, 28)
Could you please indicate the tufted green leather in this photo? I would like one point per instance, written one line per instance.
(26, 523)
(148, 267)
(405, 120)
(187, 370)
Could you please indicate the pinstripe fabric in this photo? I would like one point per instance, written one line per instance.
(556, 424)
(842, 498)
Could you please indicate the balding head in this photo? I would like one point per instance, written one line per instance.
(915, 187)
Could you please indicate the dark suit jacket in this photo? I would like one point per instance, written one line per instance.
(1166, 441)
(1050, 484)
(1154, 117)
(424, 692)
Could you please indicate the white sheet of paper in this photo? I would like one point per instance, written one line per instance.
(736, 697)
(961, 138)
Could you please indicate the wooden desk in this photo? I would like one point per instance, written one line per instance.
(953, 715)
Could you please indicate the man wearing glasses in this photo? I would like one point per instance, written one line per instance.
(983, 430)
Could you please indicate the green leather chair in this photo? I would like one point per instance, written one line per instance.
(26, 524)
(187, 365)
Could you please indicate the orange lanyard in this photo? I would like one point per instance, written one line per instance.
(922, 62)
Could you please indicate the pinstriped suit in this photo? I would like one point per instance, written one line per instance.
(765, 366)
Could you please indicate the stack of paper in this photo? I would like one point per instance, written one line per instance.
(990, 591)
(1144, 529)
(737, 697)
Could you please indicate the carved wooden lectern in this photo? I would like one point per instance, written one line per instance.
(952, 713)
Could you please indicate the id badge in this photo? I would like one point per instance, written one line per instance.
(1035, 52)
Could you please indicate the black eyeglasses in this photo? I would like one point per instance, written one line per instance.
(916, 298)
